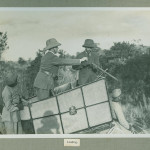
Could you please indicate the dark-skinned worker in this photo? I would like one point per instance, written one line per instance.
(13, 103)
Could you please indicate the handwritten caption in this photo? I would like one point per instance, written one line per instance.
(71, 142)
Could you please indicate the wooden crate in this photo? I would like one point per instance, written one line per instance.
(72, 111)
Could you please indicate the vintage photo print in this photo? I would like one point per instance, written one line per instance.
(83, 71)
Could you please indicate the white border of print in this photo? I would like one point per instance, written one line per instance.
(77, 136)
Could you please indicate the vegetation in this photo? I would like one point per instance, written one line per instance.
(3, 43)
(133, 73)
(126, 61)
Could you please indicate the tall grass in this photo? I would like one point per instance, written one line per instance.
(137, 115)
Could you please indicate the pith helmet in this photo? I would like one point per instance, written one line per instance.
(11, 78)
(116, 93)
(89, 43)
(51, 43)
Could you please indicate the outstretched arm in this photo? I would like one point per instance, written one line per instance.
(65, 61)
(62, 61)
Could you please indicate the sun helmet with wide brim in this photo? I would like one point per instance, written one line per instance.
(89, 43)
(51, 43)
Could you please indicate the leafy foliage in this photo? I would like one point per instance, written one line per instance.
(31, 73)
(21, 61)
(3, 43)
(134, 79)
(123, 49)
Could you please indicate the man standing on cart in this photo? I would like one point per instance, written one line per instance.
(87, 72)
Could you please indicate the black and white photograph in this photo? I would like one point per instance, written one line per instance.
(83, 71)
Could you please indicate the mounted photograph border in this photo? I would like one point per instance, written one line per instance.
(109, 143)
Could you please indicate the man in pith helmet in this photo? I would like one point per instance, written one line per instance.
(87, 73)
(50, 62)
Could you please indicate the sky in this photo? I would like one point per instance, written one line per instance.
(29, 28)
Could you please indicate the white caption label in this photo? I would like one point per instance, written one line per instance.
(71, 142)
